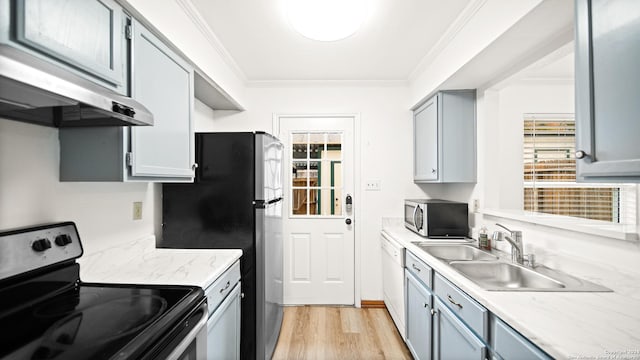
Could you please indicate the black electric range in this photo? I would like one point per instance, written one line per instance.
(47, 312)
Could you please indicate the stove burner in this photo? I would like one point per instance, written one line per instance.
(93, 325)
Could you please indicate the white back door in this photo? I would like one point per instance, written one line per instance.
(318, 223)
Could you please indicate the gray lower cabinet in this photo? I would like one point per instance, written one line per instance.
(162, 82)
(86, 36)
(509, 344)
(452, 338)
(444, 138)
(419, 308)
(607, 83)
(223, 329)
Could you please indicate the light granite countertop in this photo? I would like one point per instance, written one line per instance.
(566, 325)
(139, 262)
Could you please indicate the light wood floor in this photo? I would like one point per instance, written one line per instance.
(324, 332)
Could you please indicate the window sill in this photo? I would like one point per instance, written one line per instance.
(593, 227)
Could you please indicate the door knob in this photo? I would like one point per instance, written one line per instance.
(348, 221)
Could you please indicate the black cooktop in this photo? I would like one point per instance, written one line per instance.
(56, 316)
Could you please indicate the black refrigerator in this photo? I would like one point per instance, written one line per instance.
(235, 202)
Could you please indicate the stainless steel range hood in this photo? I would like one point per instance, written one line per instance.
(36, 91)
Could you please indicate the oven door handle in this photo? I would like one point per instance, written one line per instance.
(193, 334)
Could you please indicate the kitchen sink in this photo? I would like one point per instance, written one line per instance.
(504, 276)
(457, 252)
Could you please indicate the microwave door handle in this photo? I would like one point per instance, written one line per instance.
(415, 212)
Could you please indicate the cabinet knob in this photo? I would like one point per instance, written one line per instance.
(433, 171)
(581, 154)
(194, 166)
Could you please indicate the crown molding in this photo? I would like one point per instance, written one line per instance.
(452, 31)
(201, 24)
(325, 83)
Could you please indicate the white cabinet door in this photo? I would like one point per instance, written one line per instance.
(163, 82)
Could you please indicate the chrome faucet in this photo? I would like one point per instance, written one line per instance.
(514, 239)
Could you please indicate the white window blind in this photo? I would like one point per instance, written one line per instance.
(550, 175)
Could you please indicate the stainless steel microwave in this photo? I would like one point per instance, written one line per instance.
(435, 218)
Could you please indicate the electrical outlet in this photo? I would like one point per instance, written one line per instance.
(137, 210)
(476, 205)
(372, 185)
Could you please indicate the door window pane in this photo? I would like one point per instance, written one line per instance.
(316, 178)
(299, 143)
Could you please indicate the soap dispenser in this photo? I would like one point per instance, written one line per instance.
(484, 242)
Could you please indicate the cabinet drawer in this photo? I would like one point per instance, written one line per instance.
(509, 344)
(418, 268)
(222, 287)
(467, 309)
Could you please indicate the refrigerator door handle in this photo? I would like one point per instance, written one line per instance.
(261, 204)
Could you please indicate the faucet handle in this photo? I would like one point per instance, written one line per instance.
(530, 260)
(497, 236)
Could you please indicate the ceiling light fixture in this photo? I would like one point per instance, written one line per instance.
(326, 20)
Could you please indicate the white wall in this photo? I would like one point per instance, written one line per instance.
(515, 101)
(491, 19)
(30, 192)
(386, 150)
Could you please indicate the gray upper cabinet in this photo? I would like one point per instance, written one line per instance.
(86, 36)
(607, 87)
(162, 82)
(444, 138)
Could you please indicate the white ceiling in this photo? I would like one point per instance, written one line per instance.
(390, 45)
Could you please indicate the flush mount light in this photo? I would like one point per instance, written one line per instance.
(326, 20)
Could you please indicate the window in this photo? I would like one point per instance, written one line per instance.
(550, 175)
(316, 177)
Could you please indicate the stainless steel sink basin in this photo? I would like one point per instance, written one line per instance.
(457, 252)
(504, 276)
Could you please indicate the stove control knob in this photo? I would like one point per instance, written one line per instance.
(41, 245)
(63, 239)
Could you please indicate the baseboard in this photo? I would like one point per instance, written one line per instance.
(372, 304)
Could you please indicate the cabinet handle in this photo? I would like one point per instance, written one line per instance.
(225, 287)
(433, 312)
(580, 154)
(425, 305)
(415, 267)
(194, 166)
(433, 171)
(453, 301)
